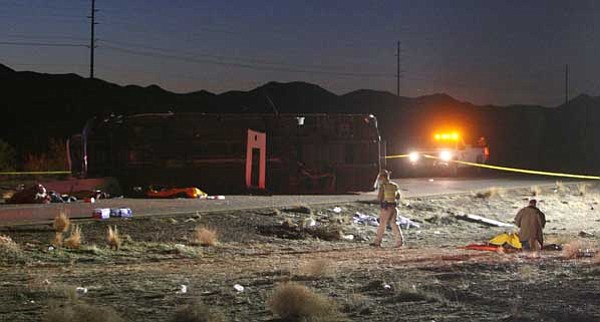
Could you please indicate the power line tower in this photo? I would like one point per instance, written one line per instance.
(93, 24)
(398, 69)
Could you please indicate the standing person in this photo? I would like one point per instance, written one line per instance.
(531, 221)
(388, 197)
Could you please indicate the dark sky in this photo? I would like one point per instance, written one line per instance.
(499, 52)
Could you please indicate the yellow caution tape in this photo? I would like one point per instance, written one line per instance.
(527, 171)
(15, 173)
(397, 156)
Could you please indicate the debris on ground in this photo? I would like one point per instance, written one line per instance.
(101, 213)
(483, 220)
(34, 194)
(169, 193)
(372, 220)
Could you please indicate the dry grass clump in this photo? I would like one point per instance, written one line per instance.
(8, 244)
(58, 240)
(295, 302)
(578, 249)
(411, 293)
(74, 240)
(582, 189)
(82, 312)
(356, 303)
(61, 222)
(560, 186)
(197, 312)
(490, 193)
(113, 239)
(535, 191)
(318, 268)
(10, 252)
(206, 236)
(61, 225)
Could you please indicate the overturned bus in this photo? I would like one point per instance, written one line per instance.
(232, 153)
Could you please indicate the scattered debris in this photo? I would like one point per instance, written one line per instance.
(364, 219)
(585, 234)
(348, 237)
(337, 210)
(372, 220)
(309, 222)
(406, 223)
(121, 212)
(238, 288)
(81, 290)
(35, 194)
(169, 193)
(482, 220)
(101, 213)
(182, 289)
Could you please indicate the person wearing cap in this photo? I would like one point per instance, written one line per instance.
(388, 197)
(531, 222)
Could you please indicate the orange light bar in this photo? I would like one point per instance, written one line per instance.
(454, 136)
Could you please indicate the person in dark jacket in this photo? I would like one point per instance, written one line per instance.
(531, 222)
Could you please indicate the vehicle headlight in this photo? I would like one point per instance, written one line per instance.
(446, 155)
(414, 157)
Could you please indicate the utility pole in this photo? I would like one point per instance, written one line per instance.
(398, 70)
(93, 23)
(566, 83)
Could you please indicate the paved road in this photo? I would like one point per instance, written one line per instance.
(16, 214)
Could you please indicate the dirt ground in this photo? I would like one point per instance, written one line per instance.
(430, 279)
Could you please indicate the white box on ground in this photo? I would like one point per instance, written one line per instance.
(101, 213)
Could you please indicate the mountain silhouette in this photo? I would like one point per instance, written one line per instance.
(39, 106)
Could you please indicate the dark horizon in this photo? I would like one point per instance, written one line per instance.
(386, 92)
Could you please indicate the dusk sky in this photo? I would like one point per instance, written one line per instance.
(498, 52)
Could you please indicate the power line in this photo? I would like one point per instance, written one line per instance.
(46, 37)
(42, 44)
(220, 57)
(242, 65)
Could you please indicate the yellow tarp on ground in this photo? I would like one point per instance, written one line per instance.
(506, 238)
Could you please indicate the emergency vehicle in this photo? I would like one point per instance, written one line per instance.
(446, 147)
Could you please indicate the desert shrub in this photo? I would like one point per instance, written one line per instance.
(10, 252)
(8, 157)
(535, 191)
(58, 239)
(560, 186)
(206, 236)
(318, 268)
(74, 239)
(197, 312)
(489, 193)
(113, 239)
(356, 303)
(295, 302)
(61, 222)
(582, 189)
(79, 312)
